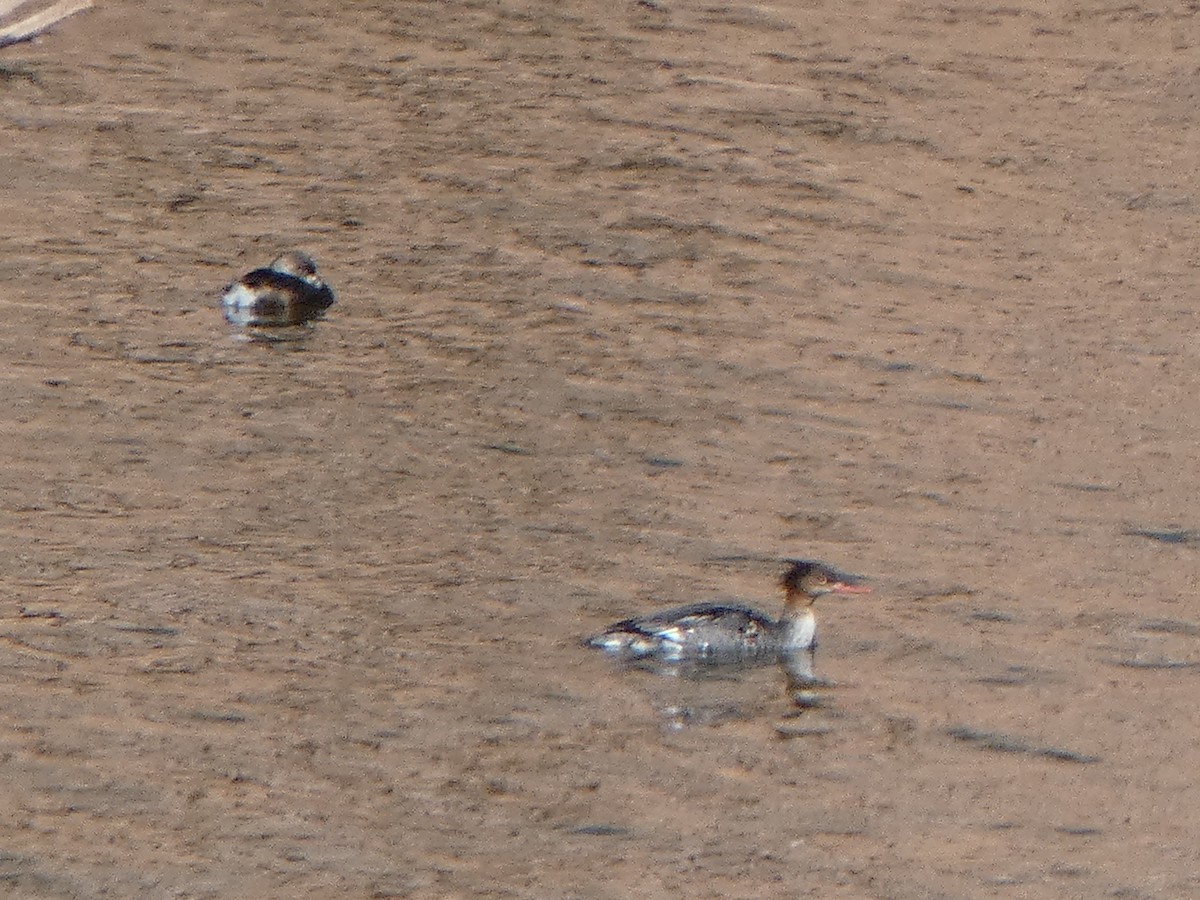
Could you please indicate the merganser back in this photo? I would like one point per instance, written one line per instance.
(287, 292)
(730, 633)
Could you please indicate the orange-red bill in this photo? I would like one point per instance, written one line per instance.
(842, 588)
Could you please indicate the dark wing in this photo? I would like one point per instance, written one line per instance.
(696, 615)
(260, 278)
(301, 291)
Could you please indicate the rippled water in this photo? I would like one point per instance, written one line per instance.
(632, 301)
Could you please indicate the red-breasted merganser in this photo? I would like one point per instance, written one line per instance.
(729, 633)
(287, 292)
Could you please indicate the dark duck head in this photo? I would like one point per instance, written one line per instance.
(805, 581)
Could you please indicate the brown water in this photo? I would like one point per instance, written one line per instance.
(634, 299)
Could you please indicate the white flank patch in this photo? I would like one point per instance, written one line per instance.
(239, 297)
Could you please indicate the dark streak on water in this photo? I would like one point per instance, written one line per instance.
(1168, 536)
(1164, 663)
(1170, 626)
(147, 629)
(663, 462)
(991, 740)
(601, 830)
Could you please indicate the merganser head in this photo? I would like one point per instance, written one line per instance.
(810, 580)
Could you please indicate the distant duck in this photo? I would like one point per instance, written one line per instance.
(714, 633)
(288, 292)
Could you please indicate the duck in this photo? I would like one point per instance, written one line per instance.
(287, 292)
(719, 633)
